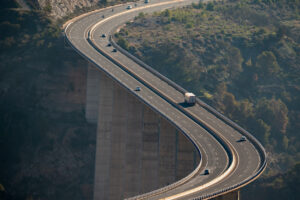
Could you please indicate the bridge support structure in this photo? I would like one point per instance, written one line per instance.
(137, 150)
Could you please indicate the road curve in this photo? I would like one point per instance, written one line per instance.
(232, 164)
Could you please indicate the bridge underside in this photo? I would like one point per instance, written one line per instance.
(137, 149)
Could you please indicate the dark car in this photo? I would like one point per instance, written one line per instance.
(206, 172)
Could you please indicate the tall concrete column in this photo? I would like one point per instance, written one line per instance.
(150, 163)
(92, 94)
(103, 143)
(186, 158)
(167, 153)
(118, 142)
(137, 150)
(133, 159)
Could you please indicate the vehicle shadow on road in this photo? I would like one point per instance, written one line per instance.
(185, 105)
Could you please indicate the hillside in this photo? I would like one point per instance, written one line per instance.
(242, 57)
(47, 148)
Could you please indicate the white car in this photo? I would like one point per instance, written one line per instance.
(137, 89)
(243, 139)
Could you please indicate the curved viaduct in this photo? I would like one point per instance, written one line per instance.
(149, 145)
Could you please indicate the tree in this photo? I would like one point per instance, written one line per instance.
(48, 7)
(167, 13)
(260, 129)
(210, 6)
(235, 61)
(274, 113)
(198, 6)
(266, 63)
(123, 43)
(245, 109)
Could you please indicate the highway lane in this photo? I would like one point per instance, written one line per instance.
(246, 167)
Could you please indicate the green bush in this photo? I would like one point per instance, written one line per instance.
(210, 6)
(198, 5)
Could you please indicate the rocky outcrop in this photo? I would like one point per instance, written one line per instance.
(61, 8)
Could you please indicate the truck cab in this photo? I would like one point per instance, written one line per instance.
(189, 98)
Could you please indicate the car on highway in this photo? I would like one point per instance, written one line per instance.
(242, 139)
(137, 89)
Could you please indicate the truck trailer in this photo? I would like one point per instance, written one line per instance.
(189, 98)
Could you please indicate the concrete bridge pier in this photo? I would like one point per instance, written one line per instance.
(137, 150)
(92, 94)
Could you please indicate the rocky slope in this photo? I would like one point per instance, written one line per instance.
(60, 8)
(57, 9)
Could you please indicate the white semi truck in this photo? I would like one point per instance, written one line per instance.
(189, 98)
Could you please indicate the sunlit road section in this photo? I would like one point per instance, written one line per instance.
(232, 163)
